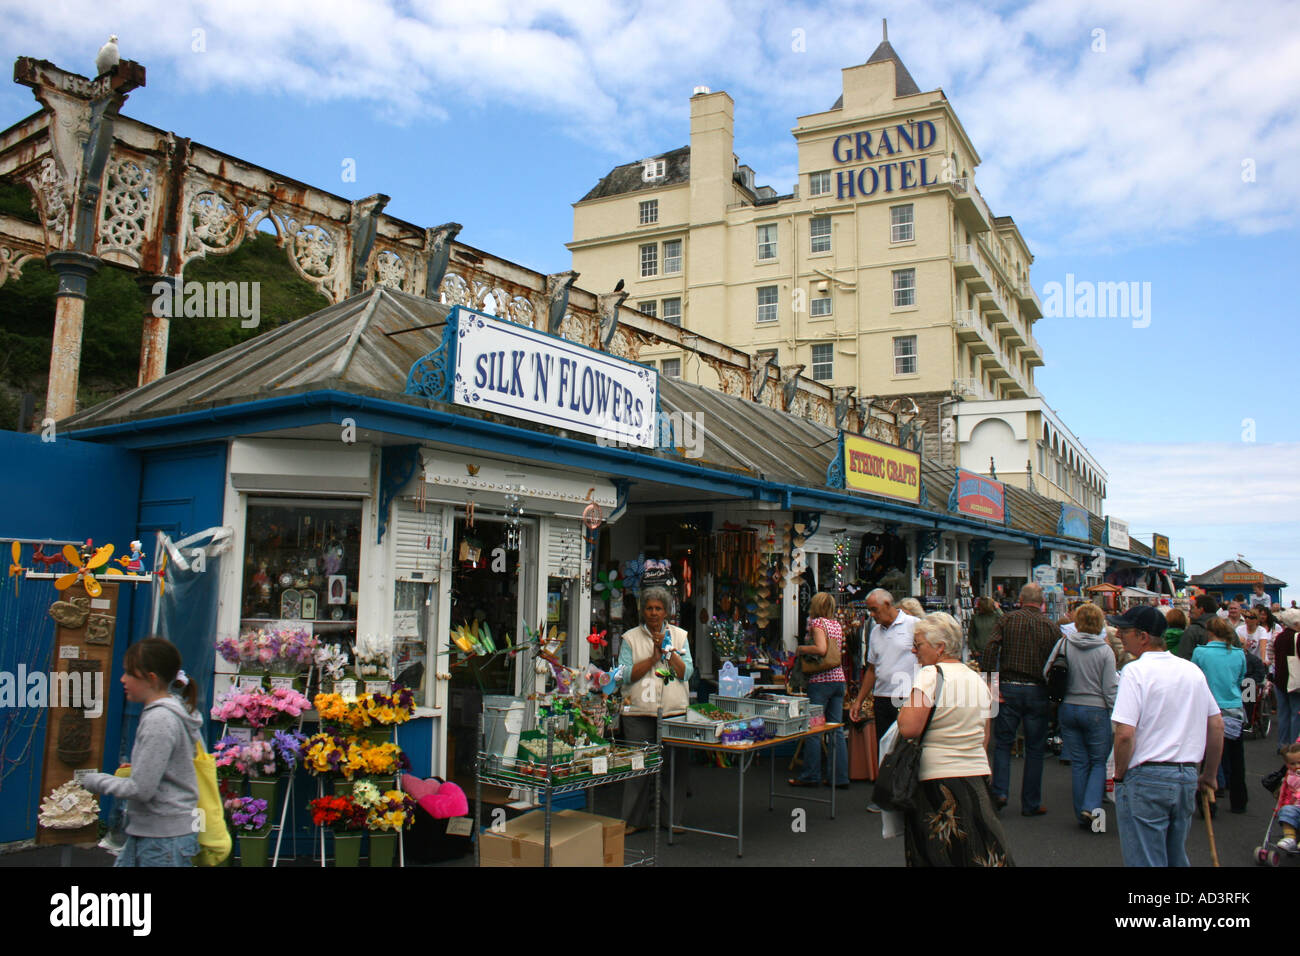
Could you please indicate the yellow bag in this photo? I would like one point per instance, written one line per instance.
(214, 839)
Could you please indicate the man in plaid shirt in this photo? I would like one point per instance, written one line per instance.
(1021, 643)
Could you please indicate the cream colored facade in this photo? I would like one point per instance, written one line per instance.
(883, 270)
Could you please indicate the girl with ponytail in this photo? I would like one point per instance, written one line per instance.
(161, 792)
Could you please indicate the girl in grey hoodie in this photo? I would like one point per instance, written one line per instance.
(162, 790)
(1085, 712)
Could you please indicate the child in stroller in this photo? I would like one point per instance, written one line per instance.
(1287, 810)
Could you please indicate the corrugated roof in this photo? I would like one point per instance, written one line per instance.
(1214, 576)
(628, 177)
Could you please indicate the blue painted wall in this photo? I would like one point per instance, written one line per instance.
(64, 489)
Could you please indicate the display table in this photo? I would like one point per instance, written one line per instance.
(744, 754)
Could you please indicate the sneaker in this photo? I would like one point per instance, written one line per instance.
(872, 808)
(1287, 843)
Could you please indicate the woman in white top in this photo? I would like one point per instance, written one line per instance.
(952, 822)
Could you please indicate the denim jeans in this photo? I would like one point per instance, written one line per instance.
(830, 694)
(1085, 734)
(1027, 702)
(1288, 715)
(1153, 805)
(158, 851)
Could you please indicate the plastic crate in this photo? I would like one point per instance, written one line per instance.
(816, 715)
(794, 706)
(750, 706)
(785, 726)
(689, 730)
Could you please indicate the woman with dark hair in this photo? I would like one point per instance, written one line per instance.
(826, 689)
(162, 791)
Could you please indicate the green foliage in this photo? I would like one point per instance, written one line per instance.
(115, 310)
(16, 200)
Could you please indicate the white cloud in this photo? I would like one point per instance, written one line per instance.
(1213, 499)
(1086, 149)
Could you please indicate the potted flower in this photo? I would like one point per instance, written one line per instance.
(250, 821)
(387, 814)
(347, 819)
(260, 708)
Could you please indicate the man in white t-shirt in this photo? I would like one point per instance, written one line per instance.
(891, 665)
(1166, 722)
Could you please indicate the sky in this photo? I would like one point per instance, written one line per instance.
(1155, 143)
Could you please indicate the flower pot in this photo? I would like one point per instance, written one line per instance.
(343, 787)
(383, 846)
(347, 848)
(254, 847)
(231, 787)
(265, 788)
(377, 735)
(297, 681)
(383, 783)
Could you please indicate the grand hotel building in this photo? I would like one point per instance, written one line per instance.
(882, 270)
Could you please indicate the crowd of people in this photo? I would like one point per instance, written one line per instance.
(1153, 702)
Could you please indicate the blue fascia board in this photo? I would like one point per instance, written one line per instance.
(330, 406)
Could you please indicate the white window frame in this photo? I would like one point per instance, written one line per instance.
(648, 211)
(905, 350)
(821, 179)
(676, 318)
(669, 268)
(815, 237)
(897, 224)
(672, 367)
(769, 245)
(650, 307)
(772, 305)
(649, 259)
(817, 301)
(904, 288)
(828, 371)
(652, 169)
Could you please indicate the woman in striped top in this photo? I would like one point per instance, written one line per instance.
(827, 689)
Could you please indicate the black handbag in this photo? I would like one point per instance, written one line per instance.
(899, 775)
(1058, 673)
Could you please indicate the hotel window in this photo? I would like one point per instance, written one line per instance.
(672, 368)
(900, 223)
(672, 256)
(820, 307)
(819, 231)
(823, 362)
(650, 260)
(904, 286)
(652, 169)
(673, 311)
(767, 242)
(819, 184)
(905, 355)
(649, 211)
(767, 303)
(649, 308)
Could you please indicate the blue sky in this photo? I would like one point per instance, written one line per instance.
(1151, 143)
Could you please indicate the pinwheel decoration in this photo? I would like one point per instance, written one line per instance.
(608, 586)
(85, 566)
(597, 638)
(632, 571)
(16, 569)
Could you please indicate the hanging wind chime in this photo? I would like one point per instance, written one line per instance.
(514, 509)
(592, 518)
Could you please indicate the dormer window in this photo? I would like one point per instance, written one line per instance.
(652, 169)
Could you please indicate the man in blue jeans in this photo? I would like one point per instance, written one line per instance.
(1018, 650)
(1166, 722)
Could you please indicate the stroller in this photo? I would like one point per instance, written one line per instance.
(1269, 852)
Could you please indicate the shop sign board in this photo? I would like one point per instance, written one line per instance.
(1073, 522)
(509, 369)
(1243, 577)
(1044, 575)
(978, 496)
(1116, 534)
(1065, 561)
(881, 469)
(1160, 546)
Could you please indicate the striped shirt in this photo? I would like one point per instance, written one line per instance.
(833, 633)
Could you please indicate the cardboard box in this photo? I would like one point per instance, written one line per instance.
(575, 841)
(612, 835)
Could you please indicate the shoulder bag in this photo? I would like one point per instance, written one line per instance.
(812, 664)
(1057, 673)
(899, 775)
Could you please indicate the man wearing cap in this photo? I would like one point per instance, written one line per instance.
(1166, 722)
(1021, 643)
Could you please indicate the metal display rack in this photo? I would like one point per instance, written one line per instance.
(561, 778)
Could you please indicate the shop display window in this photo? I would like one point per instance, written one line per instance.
(302, 563)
